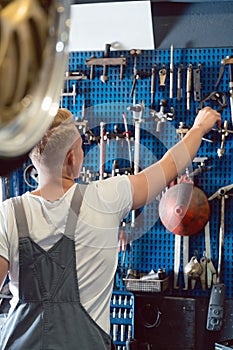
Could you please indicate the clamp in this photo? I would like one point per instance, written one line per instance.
(105, 62)
(216, 96)
(161, 116)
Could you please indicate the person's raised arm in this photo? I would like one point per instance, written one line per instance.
(147, 184)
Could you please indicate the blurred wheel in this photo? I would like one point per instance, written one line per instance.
(33, 57)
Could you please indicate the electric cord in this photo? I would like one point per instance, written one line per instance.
(150, 316)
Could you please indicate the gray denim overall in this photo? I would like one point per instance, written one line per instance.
(49, 315)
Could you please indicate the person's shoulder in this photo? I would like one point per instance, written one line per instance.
(114, 180)
(112, 184)
(6, 203)
(6, 206)
(110, 195)
(110, 189)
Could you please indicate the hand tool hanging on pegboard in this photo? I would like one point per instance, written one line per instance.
(223, 132)
(162, 76)
(215, 310)
(171, 71)
(82, 123)
(193, 78)
(193, 269)
(162, 116)
(203, 274)
(104, 76)
(138, 111)
(221, 193)
(67, 91)
(137, 74)
(189, 86)
(210, 276)
(179, 82)
(197, 83)
(71, 76)
(214, 99)
(153, 86)
(134, 53)
(227, 61)
(105, 62)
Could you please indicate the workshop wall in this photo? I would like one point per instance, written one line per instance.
(153, 246)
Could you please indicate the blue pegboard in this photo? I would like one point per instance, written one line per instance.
(154, 247)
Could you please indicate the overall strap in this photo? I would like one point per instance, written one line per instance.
(74, 211)
(20, 217)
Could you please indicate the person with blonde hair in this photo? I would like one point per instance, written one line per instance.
(59, 242)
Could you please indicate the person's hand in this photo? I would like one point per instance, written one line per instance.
(206, 119)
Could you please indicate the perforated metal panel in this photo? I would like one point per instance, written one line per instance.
(107, 102)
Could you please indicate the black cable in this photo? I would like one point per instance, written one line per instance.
(150, 315)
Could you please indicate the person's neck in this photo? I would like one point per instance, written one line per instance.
(54, 189)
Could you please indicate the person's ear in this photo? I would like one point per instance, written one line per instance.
(70, 157)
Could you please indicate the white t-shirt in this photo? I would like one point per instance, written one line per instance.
(104, 205)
